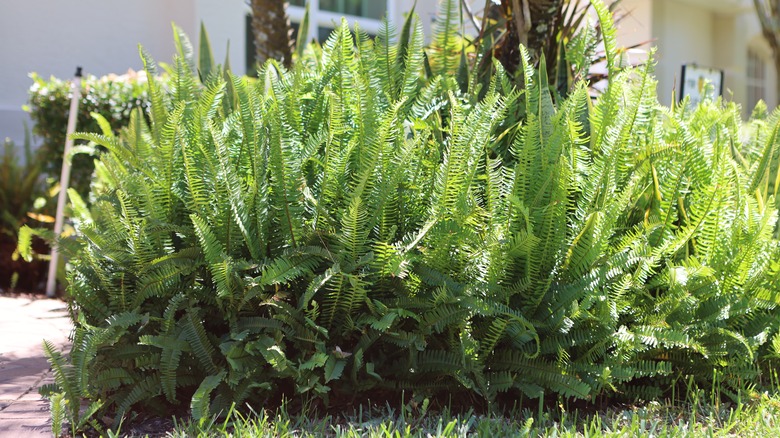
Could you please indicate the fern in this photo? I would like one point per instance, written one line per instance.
(200, 404)
(364, 222)
(445, 41)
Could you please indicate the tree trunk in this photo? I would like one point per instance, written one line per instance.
(531, 23)
(544, 17)
(272, 32)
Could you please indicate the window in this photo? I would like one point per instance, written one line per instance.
(374, 9)
(324, 15)
(359, 8)
(323, 33)
(756, 79)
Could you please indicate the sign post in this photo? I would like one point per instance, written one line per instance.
(62, 198)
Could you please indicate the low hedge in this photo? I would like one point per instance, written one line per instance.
(112, 96)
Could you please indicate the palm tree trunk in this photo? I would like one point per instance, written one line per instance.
(544, 17)
(272, 32)
(531, 23)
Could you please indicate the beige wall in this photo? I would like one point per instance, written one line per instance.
(747, 31)
(635, 26)
(683, 35)
(52, 37)
(714, 33)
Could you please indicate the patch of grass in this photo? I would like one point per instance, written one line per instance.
(759, 416)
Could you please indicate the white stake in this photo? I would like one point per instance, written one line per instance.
(62, 199)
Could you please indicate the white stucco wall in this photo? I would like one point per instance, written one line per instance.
(714, 33)
(683, 35)
(52, 37)
(225, 22)
(425, 9)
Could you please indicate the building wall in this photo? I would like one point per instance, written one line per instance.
(634, 22)
(683, 35)
(224, 20)
(425, 9)
(747, 31)
(715, 33)
(52, 37)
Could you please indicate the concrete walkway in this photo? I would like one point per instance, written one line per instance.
(24, 324)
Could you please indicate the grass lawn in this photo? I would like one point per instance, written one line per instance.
(759, 417)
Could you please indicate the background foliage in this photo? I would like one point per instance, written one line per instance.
(113, 97)
(23, 200)
(371, 222)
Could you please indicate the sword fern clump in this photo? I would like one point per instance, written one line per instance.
(354, 226)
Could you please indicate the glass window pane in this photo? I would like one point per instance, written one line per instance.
(300, 3)
(360, 8)
(351, 7)
(323, 33)
(756, 68)
(374, 9)
(329, 5)
(756, 79)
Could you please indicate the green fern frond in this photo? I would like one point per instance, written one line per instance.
(141, 390)
(541, 372)
(64, 375)
(445, 48)
(608, 35)
(195, 335)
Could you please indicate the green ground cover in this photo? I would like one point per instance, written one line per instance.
(379, 221)
(757, 416)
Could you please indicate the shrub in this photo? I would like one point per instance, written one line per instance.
(114, 97)
(348, 227)
(22, 200)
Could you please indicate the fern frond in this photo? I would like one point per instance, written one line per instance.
(445, 48)
(195, 335)
(608, 35)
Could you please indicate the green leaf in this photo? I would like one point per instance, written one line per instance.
(184, 48)
(201, 400)
(334, 367)
(205, 56)
(303, 33)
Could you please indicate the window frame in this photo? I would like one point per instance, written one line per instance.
(756, 75)
(320, 18)
(328, 19)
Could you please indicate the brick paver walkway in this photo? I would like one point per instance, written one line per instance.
(24, 324)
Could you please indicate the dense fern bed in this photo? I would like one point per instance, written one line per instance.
(375, 221)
